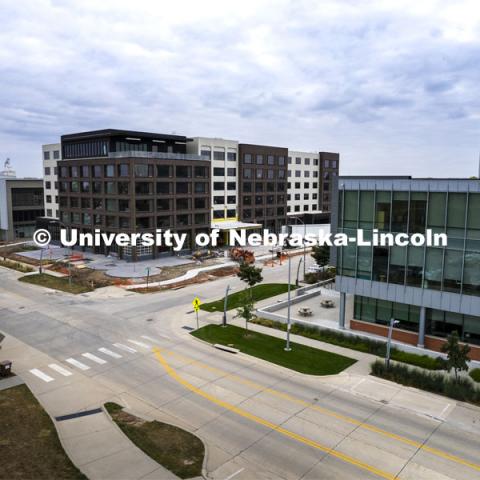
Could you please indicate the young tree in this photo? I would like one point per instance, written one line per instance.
(246, 311)
(251, 275)
(457, 355)
(321, 254)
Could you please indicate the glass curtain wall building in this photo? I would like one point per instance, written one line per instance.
(431, 291)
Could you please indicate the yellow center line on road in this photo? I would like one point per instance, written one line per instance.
(330, 413)
(243, 413)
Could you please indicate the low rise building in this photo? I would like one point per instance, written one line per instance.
(21, 202)
(431, 291)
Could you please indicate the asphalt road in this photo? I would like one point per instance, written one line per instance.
(257, 420)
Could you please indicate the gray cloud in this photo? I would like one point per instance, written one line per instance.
(391, 86)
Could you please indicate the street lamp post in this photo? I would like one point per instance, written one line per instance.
(224, 324)
(304, 246)
(298, 271)
(287, 348)
(393, 322)
(69, 261)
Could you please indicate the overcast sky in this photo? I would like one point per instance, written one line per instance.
(393, 86)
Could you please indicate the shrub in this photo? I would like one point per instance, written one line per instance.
(459, 389)
(475, 374)
(355, 342)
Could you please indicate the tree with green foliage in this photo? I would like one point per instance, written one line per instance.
(250, 274)
(321, 254)
(457, 355)
(246, 311)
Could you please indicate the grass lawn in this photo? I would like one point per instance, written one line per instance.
(57, 283)
(29, 445)
(301, 358)
(260, 292)
(177, 450)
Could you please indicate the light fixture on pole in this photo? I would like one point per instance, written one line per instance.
(393, 322)
(287, 348)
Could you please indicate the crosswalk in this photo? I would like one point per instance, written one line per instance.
(102, 356)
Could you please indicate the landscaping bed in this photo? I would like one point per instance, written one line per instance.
(259, 292)
(172, 447)
(16, 266)
(355, 342)
(301, 358)
(29, 444)
(462, 389)
(57, 283)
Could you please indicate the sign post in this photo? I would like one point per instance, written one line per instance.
(147, 270)
(196, 306)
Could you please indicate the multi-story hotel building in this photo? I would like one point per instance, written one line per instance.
(250, 186)
(124, 181)
(430, 291)
(51, 154)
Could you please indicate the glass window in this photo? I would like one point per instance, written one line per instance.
(218, 199)
(259, 173)
(232, 172)
(437, 211)
(183, 204)
(452, 271)
(247, 187)
(433, 268)
(219, 155)
(200, 172)
(123, 188)
(415, 266)
(200, 203)
(123, 170)
(400, 212)
(200, 187)
(231, 185)
(350, 209)
(418, 212)
(97, 171)
(382, 213)
(380, 264)
(364, 263)
(259, 159)
(111, 205)
(218, 186)
(123, 205)
(473, 222)
(109, 170)
(218, 172)
(163, 204)
(163, 171)
(56, 154)
(182, 171)
(270, 160)
(366, 210)
(204, 152)
(143, 188)
(232, 156)
(471, 274)
(46, 155)
(182, 187)
(247, 158)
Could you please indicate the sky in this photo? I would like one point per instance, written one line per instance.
(393, 86)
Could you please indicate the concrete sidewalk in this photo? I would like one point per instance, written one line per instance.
(94, 443)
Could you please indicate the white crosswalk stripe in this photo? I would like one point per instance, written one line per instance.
(155, 340)
(121, 346)
(60, 370)
(43, 376)
(106, 351)
(94, 358)
(140, 344)
(77, 364)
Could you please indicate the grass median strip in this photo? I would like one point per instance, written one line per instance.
(259, 292)
(172, 447)
(301, 358)
(57, 283)
(29, 443)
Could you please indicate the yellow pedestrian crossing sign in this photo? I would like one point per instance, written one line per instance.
(196, 304)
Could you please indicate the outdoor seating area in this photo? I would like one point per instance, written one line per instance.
(327, 303)
(305, 312)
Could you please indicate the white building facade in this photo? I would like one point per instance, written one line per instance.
(303, 182)
(224, 164)
(51, 154)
